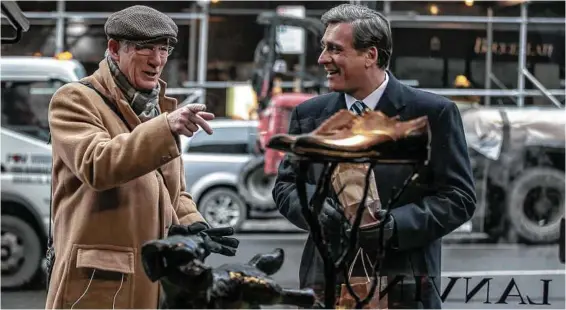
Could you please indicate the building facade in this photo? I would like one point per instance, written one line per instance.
(457, 48)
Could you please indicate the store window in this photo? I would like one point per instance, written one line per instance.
(468, 8)
(423, 72)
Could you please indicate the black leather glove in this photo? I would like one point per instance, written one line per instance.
(334, 226)
(369, 237)
(215, 239)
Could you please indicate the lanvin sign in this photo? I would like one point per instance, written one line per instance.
(469, 289)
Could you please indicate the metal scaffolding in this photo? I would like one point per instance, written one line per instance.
(520, 93)
(196, 89)
(194, 94)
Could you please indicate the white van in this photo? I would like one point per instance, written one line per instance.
(27, 86)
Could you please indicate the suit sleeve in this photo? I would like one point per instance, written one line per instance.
(285, 191)
(454, 203)
(80, 138)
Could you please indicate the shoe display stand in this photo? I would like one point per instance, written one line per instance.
(311, 209)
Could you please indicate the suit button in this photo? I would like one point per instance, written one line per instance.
(165, 159)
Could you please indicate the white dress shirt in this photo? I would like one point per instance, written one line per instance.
(372, 99)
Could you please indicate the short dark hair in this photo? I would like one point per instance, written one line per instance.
(371, 28)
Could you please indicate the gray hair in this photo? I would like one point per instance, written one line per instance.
(121, 45)
(370, 28)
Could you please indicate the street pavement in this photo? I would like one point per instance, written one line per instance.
(529, 267)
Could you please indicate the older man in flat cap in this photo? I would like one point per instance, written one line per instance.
(118, 177)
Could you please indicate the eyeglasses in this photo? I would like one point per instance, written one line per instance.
(147, 49)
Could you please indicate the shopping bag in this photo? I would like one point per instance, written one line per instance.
(362, 286)
(348, 181)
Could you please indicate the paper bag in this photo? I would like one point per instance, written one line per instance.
(361, 286)
(348, 181)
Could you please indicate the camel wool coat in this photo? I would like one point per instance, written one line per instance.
(109, 197)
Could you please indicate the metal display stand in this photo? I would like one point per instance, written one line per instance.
(311, 210)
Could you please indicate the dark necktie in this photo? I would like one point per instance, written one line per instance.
(359, 107)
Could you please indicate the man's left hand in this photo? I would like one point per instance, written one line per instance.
(369, 237)
(215, 239)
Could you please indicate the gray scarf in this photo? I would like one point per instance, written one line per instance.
(144, 103)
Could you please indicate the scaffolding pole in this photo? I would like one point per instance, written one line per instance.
(192, 46)
(522, 55)
(203, 50)
(387, 8)
(488, 55)
(60, 28)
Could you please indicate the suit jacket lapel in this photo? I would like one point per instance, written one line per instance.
(336, 103)
(391, 102)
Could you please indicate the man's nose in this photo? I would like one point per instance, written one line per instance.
(155, 59)
(323, 58)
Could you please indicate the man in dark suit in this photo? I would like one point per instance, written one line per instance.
(357, 47)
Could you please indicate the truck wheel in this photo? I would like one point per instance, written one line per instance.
(223, 207)
(21, 252)
(255, 187)
(536, 204)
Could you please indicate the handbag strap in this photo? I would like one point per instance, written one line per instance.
(108, 103)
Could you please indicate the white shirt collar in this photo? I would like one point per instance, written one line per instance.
(373, 99)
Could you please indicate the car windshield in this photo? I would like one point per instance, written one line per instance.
(80, 71)
(229, 140)
(25, 107)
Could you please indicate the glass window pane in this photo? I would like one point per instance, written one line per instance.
(233, 140)
(25, 106)
(426, 71)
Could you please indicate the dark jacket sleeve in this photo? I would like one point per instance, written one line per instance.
(454, 203)
(285, 191)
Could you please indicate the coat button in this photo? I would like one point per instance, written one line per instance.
(165, 158)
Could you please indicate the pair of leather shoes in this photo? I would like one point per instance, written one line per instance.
(374, 135)
(339, 121)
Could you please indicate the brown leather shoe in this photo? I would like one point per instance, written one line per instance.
(372, 135)
(340, 120)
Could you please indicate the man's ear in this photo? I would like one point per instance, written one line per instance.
(113, 49)
(371, 57)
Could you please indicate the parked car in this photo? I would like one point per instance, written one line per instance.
(27, 86)
(517, 157)
(212, 166)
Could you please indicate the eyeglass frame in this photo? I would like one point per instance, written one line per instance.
(139, 48)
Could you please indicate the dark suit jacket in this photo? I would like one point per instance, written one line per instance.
(442, 198)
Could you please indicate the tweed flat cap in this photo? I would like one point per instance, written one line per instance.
(140, 23)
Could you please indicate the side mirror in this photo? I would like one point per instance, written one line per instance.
(561, 242)
(13, 13)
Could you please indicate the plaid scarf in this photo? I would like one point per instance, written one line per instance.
(144, 103)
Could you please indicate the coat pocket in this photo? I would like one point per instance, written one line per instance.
(100, 277)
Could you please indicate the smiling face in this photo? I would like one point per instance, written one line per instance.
(141, 64)
(347, 68)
